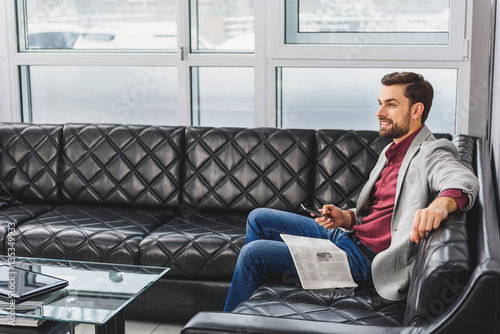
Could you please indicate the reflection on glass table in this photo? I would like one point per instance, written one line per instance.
(96, 293)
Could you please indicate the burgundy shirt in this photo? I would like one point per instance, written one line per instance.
(375, 231)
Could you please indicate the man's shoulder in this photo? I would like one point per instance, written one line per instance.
(431, 144)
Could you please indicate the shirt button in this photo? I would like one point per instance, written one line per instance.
(383, 184)
(390, 163)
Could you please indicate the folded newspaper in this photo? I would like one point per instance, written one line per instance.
(319, 262)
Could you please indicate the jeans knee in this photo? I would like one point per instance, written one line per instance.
(256, 213)
(247, 250)
(253, 218)
(259, 214)
(250, 252)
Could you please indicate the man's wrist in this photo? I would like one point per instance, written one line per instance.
(461, 198)
(349, 219)
(446, 203)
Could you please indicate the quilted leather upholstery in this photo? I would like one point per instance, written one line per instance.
(88, 233)
(196, 245)
(15, 216)
(444, 268)
(465, 145)
(122, 165)
(344, 160)
(29, 161)
(361, 305)
(179, 197)
(242, 169)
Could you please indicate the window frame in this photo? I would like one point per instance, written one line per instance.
(23, 43)
(292, 32)
(270, 54)
(456, 50)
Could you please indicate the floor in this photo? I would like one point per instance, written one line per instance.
(138, 327)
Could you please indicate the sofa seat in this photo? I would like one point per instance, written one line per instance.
(361, 305)
(88, 233)
(196, 245)
(15, 216)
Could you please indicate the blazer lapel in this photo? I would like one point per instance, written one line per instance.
(412, 150)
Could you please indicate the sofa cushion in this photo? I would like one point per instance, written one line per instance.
(361, 305)
(231, 169)
(122, 165)
(15, 216)
(29, 161)
(88, 233)
(196, 245)
(344, 160)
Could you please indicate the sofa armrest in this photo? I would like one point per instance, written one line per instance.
(231, 323)
(441, 271)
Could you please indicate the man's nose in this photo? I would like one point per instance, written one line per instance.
(381, 112)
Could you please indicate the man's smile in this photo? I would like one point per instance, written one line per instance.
(385, 123)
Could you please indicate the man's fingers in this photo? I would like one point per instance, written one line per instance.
(425, 221)
(416, 223)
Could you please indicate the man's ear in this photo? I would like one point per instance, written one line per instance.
(417, 110)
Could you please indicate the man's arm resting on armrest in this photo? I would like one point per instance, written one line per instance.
(428, 219)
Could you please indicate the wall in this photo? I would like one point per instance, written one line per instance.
(495, 114)
(481, 49)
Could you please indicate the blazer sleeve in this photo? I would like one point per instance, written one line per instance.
(445, 171)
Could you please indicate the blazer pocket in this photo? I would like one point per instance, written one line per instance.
(413, 187)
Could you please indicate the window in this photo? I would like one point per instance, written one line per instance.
(222, 26)
(243, 63)
(368, 22)
(346, 98)
(223, 96)
(98, 25)
(104, 94)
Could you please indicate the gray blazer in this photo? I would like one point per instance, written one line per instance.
(429, 167)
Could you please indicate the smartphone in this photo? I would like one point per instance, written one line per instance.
(314, 212)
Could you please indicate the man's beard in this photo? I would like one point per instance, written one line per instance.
(396, 131)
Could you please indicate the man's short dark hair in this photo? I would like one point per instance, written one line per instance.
(417, 89)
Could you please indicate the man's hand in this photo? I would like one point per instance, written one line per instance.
(430, 218)
(333, 217)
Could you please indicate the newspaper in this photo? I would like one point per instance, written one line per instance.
(319, 262)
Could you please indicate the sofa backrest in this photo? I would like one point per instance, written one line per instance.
(122, 165)
(29, 161)
(241, 169)
(344, 160)
(203, 168)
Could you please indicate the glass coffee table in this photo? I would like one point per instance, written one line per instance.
(97, 294)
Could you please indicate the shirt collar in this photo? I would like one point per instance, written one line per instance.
(403, 146)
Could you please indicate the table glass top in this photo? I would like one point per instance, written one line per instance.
(96, 291)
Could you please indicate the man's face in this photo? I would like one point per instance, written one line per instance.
(394, 112)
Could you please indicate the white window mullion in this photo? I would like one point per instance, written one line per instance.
(262, 87)
(96, 59)
(183, 57)
(10, 107)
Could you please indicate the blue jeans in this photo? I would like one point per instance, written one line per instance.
(265, 256)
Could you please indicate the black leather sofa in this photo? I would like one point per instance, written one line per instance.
(179, 196)
(454, 289)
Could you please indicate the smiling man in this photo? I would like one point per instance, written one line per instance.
(416, 182)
